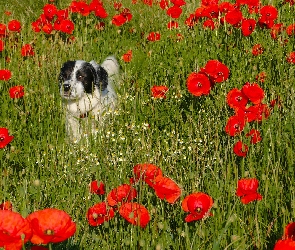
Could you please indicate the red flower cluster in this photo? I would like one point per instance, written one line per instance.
(288, 240)
(201, 83)
(212, 14)
(238, 100)
(53, 19)
(164, 187)
(14, 26)
(5, 138)
(123, 16)
(198, 206)
(247, 190)
(41, 227)
(120, 198)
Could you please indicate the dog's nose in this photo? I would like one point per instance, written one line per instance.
(66, 87)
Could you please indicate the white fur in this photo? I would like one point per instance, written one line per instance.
(94, 105)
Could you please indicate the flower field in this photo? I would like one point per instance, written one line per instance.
(199, 153)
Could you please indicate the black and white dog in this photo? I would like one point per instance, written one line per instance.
(88, 93)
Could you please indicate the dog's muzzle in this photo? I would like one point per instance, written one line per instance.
(66, 87)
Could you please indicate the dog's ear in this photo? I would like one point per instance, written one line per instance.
(102, 81)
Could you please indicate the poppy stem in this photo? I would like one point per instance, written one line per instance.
(50, 246)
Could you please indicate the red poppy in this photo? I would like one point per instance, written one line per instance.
(166, 189)
(225, 7)
(285, 245)
(198, 206)
(240, 149)
(257, 49)
(67, 26)
(27, 50)
(123, 193)
(198, 84)
(83, 8)
(47, 28)
(217, 71)
(97, 189)
(119, 20)
(291, 58)
(16, 92)
(147, 172)
(247, 190)
(2, 45)
(159, 91)
(235, 124)
(289, 232)
(99, 213)
(255, 136)
(62, 14)
(51, 225)
(174, 11)
(5, 74)
(163, 4)
(288, 241)
(154, 36)
(36, 26)
(127, 14)
(211, 11)
(117, 5)
(236, 99)
(101, 12)
(135, 214)
(276, 29)
(127, 57)
(234, 17)
(248, 26)
(3, 30)
(6, 205)
(191, 21)
(14, 230)
(14, 25)
(5, 138)
(269, 12)
(254, 93)
(178, 2)
(148, 2)
(209, 23)
(49, 11)
(290, 29)
(172, 25)
(257, 112)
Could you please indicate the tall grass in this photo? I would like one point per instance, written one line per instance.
(182, 134)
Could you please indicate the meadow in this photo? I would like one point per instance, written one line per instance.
(183, 134)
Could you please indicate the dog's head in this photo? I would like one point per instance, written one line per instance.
(79, 77)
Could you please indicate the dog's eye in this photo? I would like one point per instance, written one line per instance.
(79, 77)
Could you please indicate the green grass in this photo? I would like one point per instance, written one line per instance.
(186, 137)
